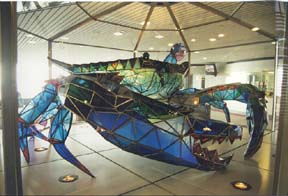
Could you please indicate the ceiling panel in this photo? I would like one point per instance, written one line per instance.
(101, 34)
(47, 23)
(126, 16)
(149, 41)
(258, 14)
(94, 8)
(161, 19)
(190, 15)
(226, 7)
(233, 34)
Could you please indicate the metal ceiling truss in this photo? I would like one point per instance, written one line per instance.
(82, 23)
(96, 17)
(232, 19)
(143, 28)
(178, 27)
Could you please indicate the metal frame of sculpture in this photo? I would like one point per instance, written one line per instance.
(137, 105)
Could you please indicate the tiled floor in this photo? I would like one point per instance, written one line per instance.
(120, 173)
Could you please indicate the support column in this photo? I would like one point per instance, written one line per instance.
(8, 48)
(49, 61)
(281, 160)
(275, 86)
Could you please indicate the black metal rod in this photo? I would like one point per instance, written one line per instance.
(49, 60)
(12, 161)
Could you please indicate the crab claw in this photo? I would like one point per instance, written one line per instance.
(257, 122)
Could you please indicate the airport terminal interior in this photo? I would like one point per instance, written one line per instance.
(223, 44)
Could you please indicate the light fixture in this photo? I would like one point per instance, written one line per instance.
(221, 35)
(170, 44)
(135, 51)
(159, 36)
(204, 58)
(118, 33)
(29, 35)
(64, 38)
(40, 149)
(273, 43)
(182, 30)
(196, 52)
(151, 48)
(193, 40)
(255, 29)
(148, 23)
(31, 42)
(212, 39)
(68, 178)
(244, 186)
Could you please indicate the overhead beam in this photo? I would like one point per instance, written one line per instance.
(204, 24)
(144, 27)
(28, 32)
(237, 8)
(93, 46)
(232, 19)
(178, 27)
(84, 22)
(234, 45)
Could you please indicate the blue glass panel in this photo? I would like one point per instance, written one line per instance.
(174, 149)
(141, 128)
(107, 119)
(165, 138)
(188, 155)
(122, 142)
(126, 131)
(151, 140)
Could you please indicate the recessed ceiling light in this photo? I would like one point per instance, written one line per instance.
(135, 51)
(212, 39)
(64, 38)
(151, 48)
(142, 23)
(40, 149)
(31, 42)
(29, 35)
(170, 44)
(196, 52)
(193, 40)
(68, 178)
(182, 30)
(255, 29)
(118, 33)
(204, 58)
(159, 36)
(244, 186)
(221, 35)
(273, 43)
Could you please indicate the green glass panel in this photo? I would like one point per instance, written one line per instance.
(102, 68)
(110, 67)
(128, 65)
(137, 64)
(119, 66)
(80, 93)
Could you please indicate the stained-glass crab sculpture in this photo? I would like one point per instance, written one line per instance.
(137, 105)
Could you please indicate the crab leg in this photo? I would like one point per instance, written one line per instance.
(58, 133)
(31, 112)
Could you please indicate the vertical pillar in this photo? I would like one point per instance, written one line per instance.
(275, 86)
(49, 61)
(8, 48)
(281, 160)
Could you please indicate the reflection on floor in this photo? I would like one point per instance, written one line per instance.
(120, 173)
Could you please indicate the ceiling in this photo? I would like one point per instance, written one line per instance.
(94, 24)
